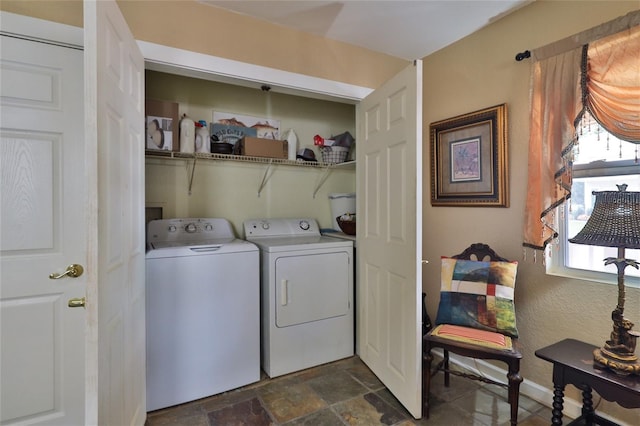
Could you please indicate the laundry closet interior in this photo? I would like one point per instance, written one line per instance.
(239, 190)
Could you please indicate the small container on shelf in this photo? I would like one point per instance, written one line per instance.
(187, 134)
(334, 154)
(202, 141)
(347, 223)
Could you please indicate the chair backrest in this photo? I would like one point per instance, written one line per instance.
(469, 293)
(481, 252)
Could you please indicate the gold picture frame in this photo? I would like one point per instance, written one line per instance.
(469, 161)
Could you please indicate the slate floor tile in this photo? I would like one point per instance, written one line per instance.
(324, 417)
(347, 393)
(368, 410)
(289, 402)
(336, 387)
(246, 413)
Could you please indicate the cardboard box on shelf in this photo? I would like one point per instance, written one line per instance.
(258, 147)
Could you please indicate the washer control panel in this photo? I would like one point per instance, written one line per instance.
(188, 230)
(257, 228)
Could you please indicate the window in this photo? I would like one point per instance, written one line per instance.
(601, 162)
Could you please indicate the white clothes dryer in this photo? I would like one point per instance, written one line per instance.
(306, 294)
(202, 311)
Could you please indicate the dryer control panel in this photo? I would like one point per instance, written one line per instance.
(299, 227)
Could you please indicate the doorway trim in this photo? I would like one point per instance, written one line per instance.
(193, 64)
(41, 30)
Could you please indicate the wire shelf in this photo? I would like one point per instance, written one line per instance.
(150, 153)
(269, 162)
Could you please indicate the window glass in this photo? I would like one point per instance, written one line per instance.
(601, 162)
(582, 256)
(597, 145)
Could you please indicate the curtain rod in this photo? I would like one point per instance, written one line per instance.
(621, 23)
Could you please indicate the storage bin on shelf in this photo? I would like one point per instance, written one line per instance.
(341, 204)
(334, 154)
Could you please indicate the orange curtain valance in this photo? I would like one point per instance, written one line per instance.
(611, 90)
(602, 77)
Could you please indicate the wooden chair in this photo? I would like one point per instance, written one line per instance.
(511, 357)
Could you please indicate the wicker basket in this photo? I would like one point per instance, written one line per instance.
(347, 226)
(334, 154)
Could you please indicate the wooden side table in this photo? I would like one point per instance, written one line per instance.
(573, 364)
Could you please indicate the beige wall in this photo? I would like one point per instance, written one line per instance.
(189, 25)
(480, 71)
(474, 73)
(64, 11)
(193, 26)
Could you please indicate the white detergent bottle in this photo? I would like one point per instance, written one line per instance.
(187, 134)
(292, 144)
(203, 141)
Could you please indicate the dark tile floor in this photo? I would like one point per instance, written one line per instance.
(346, 392)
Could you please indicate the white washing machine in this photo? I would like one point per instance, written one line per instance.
(306, 294)
(202, 310)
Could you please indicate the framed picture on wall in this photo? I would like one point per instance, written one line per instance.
(469, 163)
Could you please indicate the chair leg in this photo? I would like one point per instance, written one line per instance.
(446, 367)
(514, 391)
(427, 359)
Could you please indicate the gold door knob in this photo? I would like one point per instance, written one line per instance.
(77, 302)
(74, 271)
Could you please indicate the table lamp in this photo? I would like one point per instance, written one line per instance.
(615, 222)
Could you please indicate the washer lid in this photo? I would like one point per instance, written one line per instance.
(172, 244)
(282, 244)
(213, 247)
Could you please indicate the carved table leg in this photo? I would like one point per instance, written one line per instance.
(558, 401)
(587, 404)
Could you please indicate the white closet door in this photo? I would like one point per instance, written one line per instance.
(114, 102)
(389, 181)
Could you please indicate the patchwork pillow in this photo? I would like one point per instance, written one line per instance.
(478, 294)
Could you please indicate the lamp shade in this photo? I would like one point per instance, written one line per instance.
(614, 222)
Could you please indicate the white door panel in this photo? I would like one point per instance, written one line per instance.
(390, 235)
(114, 102)
(43, 230)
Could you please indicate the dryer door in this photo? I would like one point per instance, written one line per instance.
(312, 287)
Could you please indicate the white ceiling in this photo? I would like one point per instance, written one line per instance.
(404, 29)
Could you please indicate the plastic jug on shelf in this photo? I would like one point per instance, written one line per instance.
(187, 134)
(202, 141)
(292, 144)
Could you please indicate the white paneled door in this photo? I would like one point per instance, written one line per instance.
(72, 175)
(389, 182)
(114, 108)
(43, 230)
